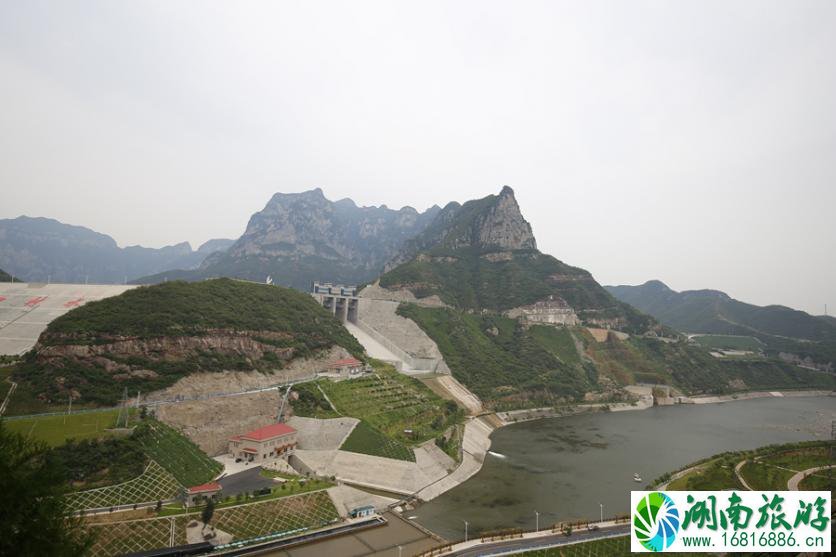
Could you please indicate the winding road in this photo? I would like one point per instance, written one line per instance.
(793, 482)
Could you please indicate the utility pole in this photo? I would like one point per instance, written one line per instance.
(602, 512)
(465, 530)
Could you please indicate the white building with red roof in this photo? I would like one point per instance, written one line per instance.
(344, 368)
(264, 444)
(199, 493)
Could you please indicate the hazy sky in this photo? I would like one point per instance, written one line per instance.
(694, 142)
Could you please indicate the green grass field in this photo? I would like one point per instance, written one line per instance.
(365, 439)
(774, 471)
(56, 430)
(729, 342)
(717, 474)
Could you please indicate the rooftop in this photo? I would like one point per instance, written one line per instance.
(266, 432)
(346, 362)
(205, 488)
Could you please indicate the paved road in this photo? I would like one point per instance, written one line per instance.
(242, 482)
(737, 473)
(793, 482)
(518, 545)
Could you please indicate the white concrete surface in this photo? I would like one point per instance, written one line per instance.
(387, 474)
(27, 308)
(401, 336)
(322, 435)
(475, 444)
(347, 498)
(375, 349)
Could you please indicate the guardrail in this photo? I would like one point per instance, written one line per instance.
(518, 533)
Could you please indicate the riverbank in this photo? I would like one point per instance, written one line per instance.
(565, 468)
(477, 440)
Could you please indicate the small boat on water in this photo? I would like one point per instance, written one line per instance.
(636, 477)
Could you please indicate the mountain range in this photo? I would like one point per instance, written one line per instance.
(469, 275)
(46, 250)
(780, 328)
(302, 237)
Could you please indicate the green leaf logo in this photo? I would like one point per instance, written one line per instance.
(656, 521)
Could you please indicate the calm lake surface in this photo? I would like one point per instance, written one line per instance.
(565, 467)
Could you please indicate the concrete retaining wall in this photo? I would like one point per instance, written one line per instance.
(401, 336)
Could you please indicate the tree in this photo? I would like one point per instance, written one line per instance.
(208, 511)
(35, 518)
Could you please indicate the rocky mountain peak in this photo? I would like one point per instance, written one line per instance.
(503, 226)
(300, 237)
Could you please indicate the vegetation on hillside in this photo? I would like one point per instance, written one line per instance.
(34, 519)
(396, 411)
(780, 328)
(289, 324)
(504, 363)
(366, 439)
(766, 468)
(512, 366)
(175, 452)
(89, 460)
(88, 464)
(468, 279)
(185, 309)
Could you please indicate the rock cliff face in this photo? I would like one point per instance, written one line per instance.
(502, 226)
(491, 224)
(298, 238)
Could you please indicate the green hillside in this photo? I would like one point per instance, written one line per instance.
(148, 338)
(780, 328)
(389, 403)
(503, 363)
(511, 366)
(105, 461)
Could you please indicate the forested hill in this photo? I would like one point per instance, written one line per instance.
(149, 337)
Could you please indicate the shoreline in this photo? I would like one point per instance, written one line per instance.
(512, 417)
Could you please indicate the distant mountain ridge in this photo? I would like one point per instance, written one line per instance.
(302, 237)
(43, 249)
(713, 311)
(787, 333)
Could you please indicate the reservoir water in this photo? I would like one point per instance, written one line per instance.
(565, 467)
